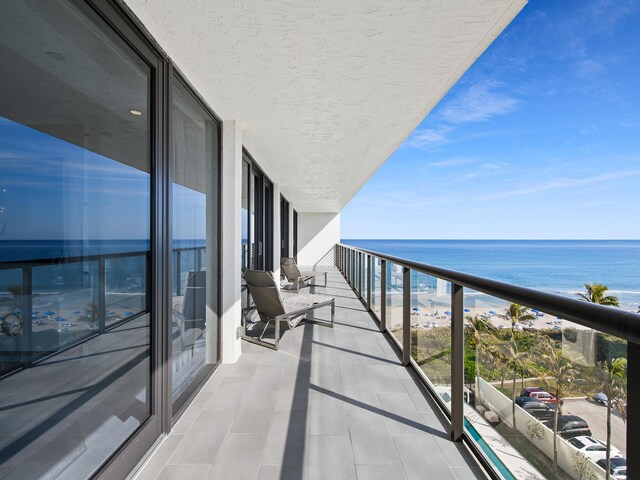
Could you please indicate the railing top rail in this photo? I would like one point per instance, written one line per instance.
(42, 262)
(613, 321)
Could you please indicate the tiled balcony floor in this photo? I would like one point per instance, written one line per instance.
(331, 404)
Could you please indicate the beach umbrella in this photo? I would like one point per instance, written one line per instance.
(533, 310)
(415, 309)
(128, 314)
(76, 312)
(493, 312)
(49, 313)
(467, 310)
(111, 313)
(447, 313)
(59, 319)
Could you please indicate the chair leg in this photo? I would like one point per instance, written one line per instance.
(333, 313)
(277, 333)
(263, 330)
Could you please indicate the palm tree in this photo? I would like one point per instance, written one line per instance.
(596, 293)
(478, 326)
(611, 379)
(517, 313)
(517, 357)
(563, 371)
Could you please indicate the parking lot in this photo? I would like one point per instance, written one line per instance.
(596, 416)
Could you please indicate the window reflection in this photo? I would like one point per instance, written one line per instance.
(75, 202)
(194, 231)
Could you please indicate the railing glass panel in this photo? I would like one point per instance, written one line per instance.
(65, 305)
(394, 300)
(376, 305)
(11, 308)
(126, 287)
(523, 369)
(431, 330)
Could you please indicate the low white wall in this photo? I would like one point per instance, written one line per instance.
(499, 403)
(318, 234)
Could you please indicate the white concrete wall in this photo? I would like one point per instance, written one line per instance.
(318, 234)
(499, 403)
(231, 240)
(277, 246)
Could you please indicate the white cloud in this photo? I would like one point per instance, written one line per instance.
(426, 137)
(589, 67)
(451, 162)
(560, 183)
(481, 101)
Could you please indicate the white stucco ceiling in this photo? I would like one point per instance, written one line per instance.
(325, 90)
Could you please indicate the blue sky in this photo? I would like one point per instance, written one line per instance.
(539, 139)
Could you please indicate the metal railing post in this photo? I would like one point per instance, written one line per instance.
(178, 268)
(633, 410)
(353, 268)
(457, 362)
(102, 294)
(26, 314)
(369, 274)
(383, 295)
(360, 271)
(406, 316)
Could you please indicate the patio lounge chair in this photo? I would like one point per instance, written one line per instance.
(295, 276)
(273, 309)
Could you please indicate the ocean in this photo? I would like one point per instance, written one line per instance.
(555, 266)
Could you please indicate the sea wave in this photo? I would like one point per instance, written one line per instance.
(611, 292)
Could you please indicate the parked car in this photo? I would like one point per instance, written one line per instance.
(593, 449)
(570, 426)
(540, 395)
(601, 398)
(526, 392)
(618, 467)
(539, 410)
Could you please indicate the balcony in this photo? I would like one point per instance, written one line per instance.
(331, 403)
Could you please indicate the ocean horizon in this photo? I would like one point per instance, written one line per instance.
(556, 266)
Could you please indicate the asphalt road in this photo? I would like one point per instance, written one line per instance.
(596, 416)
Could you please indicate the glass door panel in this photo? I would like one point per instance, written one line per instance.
(75, 218)
(194, 229)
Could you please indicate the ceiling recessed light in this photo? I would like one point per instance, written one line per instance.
(56, 56)
(137, 113)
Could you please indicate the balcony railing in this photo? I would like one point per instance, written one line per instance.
(432, 314)
(51, 304)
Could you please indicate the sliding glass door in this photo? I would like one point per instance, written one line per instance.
(77, 316)
(257, 217)
(194, 231)
(257, 228)
(109, 241)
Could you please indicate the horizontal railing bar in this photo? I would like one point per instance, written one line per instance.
(36, 262)
(609, 320)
